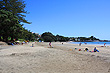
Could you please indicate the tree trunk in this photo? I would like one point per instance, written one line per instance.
(5, 38)
(0, 38)
(12, 38)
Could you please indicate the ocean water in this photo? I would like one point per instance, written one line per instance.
(94, 43)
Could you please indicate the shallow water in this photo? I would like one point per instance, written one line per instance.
(94, 43)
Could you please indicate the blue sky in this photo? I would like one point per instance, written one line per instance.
(70, 18)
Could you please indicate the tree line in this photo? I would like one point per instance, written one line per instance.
(49, 37)
(86, 39)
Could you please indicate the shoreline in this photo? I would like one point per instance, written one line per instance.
(93, 43)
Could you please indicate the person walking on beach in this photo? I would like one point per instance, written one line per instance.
(50, 44)
(104, 44)
(80, 44)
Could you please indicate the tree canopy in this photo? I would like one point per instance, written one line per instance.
(9, 24)
(16, 7)
(11, 16)
(49, 37)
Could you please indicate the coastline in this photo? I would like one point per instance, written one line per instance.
(93, 43)
(62, 58)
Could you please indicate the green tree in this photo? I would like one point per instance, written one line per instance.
(62, 38)
(9, 25)
(11, 14)
(35, 36)
(27, 35)
(48, 37)
(16, 7)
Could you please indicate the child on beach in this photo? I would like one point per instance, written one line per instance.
(95, 50)
(86, 49)
(50, 44)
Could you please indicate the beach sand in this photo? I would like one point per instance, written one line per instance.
(62, 58)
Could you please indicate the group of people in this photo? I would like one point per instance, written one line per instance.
(95, 50)
(86, 49)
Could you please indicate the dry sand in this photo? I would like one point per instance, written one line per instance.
(59, 59)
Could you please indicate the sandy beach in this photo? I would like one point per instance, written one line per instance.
(62, 58)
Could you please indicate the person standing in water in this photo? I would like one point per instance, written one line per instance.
(80, 44)
(104, 44)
